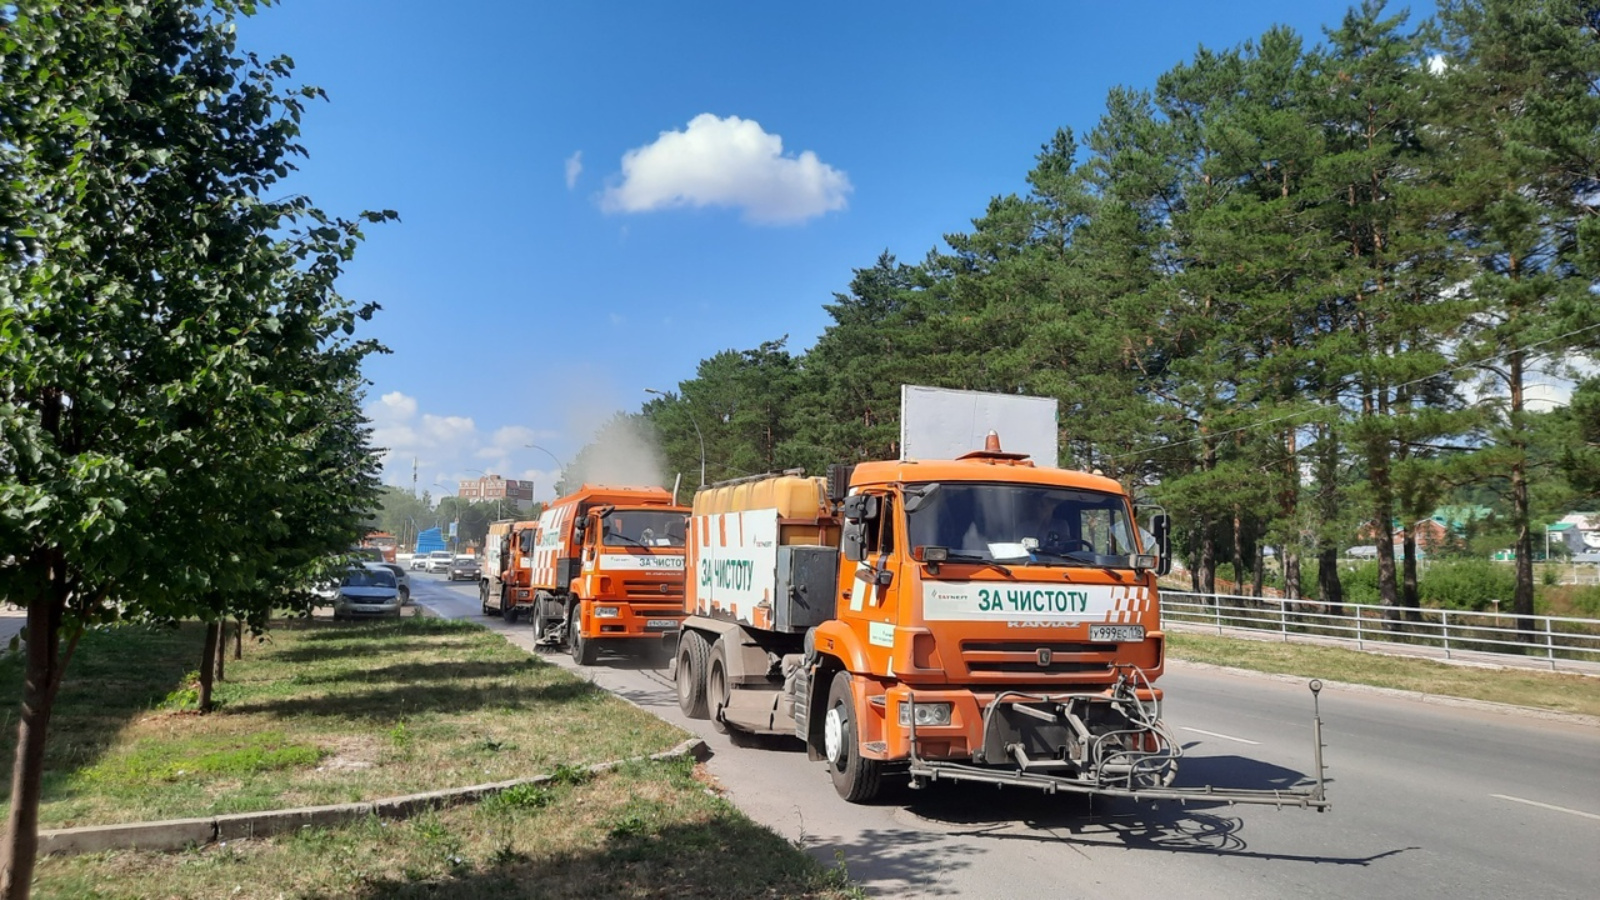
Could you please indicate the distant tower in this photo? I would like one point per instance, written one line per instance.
(413, 476)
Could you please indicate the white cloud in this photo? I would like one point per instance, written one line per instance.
(616, 319)
(452, 448)
(398, 405)
(729, 163)
(574, 169)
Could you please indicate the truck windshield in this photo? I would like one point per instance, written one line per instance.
(1020, 523)
(644, 528)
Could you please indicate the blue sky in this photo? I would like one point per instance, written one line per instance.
(596, 196)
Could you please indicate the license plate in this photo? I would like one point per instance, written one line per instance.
(1116, 634)
(664, 624)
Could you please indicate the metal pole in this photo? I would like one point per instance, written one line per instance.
(1444, 619)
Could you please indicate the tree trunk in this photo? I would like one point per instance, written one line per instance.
(1410, 597)
(1521, 515)
(208, 658)
(41, 679)
(238, 640)
(222, 651)
(1259, 581)
(1208, 558)
(1291, 571)
(1238, 550)
(1329, 590)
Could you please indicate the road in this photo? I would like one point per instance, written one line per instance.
(1429, 800)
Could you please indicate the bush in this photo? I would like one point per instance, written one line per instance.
(1470, 584)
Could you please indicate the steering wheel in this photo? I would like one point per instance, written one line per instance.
(1068, 544)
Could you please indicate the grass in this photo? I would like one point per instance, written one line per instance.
(1540, 690)
(645, 830)
(323, 713)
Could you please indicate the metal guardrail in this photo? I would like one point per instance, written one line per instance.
(1556, 642)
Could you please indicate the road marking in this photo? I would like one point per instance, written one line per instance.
(1546, 806)
(1226, 737)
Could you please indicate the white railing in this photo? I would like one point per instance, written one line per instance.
(1557, 642)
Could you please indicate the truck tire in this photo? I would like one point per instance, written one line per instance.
(857, 780)
(583, 650)
(693, 654)
(508, 611)
(717, 690)
(483, 597)
(541, 627)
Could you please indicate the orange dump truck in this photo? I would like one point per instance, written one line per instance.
(978, 618)
(503, 574)
(603, 570)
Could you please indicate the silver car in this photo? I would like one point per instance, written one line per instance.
(402, 580)
(370, 590)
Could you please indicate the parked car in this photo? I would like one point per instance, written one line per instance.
(439, 560)
(465, 568)
(402, 580)
(368, 590)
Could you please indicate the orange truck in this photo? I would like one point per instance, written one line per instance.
(980, 619)
(503, 573)
(602, 568)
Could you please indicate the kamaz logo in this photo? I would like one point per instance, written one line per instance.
(1045, 655)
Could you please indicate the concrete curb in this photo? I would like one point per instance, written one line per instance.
(177, 834)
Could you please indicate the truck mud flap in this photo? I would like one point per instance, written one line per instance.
(758, 712)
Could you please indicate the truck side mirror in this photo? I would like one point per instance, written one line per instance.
(859, 507)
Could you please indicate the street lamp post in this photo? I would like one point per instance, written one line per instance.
(701, 437)
(553, 457)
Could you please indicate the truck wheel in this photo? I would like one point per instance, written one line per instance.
(691, 675)
(857, 780)
(541, 626)
(583, 650)
(716, 682)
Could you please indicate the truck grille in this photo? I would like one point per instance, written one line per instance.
(1023, 658)
(651, 590)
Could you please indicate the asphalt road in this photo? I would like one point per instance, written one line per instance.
(1430, 800)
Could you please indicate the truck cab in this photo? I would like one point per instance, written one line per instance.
(606, 572)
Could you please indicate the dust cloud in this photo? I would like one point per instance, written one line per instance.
(623, 453)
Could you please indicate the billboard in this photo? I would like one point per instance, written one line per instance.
(941, 423)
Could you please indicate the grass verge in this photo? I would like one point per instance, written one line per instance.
(644, 830)
(329, 713)
(1539, 690)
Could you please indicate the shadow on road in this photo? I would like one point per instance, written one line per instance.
(982, 811)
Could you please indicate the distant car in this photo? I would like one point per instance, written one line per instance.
(402, 580)
(439, 560)
(464, 568)
(368, 590)
(419, 561)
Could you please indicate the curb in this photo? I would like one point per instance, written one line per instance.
(178, 834)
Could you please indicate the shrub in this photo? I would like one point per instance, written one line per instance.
(1471, 584)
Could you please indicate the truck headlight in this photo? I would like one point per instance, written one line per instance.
(926, 713)
(605, 612)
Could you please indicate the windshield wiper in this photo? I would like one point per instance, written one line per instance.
(1068, 557)
(978, 560)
